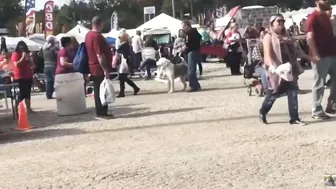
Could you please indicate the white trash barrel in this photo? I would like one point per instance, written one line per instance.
(70, 94)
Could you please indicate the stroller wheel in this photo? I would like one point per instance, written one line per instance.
(249, 91)
(261, 93)
(257, 91)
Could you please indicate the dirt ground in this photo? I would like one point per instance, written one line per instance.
(204, 140)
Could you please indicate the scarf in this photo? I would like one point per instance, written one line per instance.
(274, 79)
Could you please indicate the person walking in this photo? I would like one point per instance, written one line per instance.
(322, 51)
(279, 49)
(124, 65)
(99, 59)
(192, 49)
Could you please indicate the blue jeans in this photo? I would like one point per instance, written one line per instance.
(194, 59)
(261, 72)
(290, 88)
(49, 76)
(321, 69)
(138, 59)
(148, 64)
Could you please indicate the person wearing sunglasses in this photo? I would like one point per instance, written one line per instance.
(279, 48)
(322, 46)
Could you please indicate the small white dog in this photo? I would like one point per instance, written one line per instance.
(172, 71)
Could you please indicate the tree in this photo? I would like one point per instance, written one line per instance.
(9, 11)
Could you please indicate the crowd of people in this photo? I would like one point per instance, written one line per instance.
(277, 49)
(126, 55)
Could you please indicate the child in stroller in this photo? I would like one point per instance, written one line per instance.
(254, 72)
(254, 75)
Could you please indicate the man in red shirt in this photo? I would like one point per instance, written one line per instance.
(322, 51)
(100, 58)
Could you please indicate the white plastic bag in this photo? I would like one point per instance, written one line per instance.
(107, 94)
(285, 71)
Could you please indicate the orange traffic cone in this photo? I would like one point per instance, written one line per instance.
(23, 123)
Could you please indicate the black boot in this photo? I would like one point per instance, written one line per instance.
(136, 91)
(122, 87)
(133, 85)
(121, 95)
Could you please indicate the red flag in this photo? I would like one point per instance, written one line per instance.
(233, 11)
(224, 21)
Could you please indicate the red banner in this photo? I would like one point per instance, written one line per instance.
(49, 18)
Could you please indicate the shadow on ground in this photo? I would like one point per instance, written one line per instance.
(174, 124)
(145, 114)
(42, 119)
(11, 137)
(214, 76)
(304, 91)
(178, 90)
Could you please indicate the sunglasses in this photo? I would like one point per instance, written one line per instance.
(281, 21)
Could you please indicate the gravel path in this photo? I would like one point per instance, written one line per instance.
(205, 140)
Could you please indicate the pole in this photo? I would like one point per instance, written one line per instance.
(24, 28)
(191, 10)
(74, 12)
(173, 7)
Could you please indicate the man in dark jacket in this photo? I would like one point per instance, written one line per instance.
(192, 49)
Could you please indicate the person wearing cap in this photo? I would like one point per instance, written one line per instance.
(280, 52)
(50, 50)
(322, 47)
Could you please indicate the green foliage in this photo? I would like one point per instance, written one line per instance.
(10, 13)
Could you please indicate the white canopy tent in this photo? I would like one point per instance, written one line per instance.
(297, 15)
(38, 38)
(113, 33)
(12, 42)
(79, 32)
(59, 36)
(162, 21)
(131, 32)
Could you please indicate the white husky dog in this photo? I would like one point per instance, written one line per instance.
(172, 71)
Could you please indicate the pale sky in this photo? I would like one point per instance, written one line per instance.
(39, 4)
